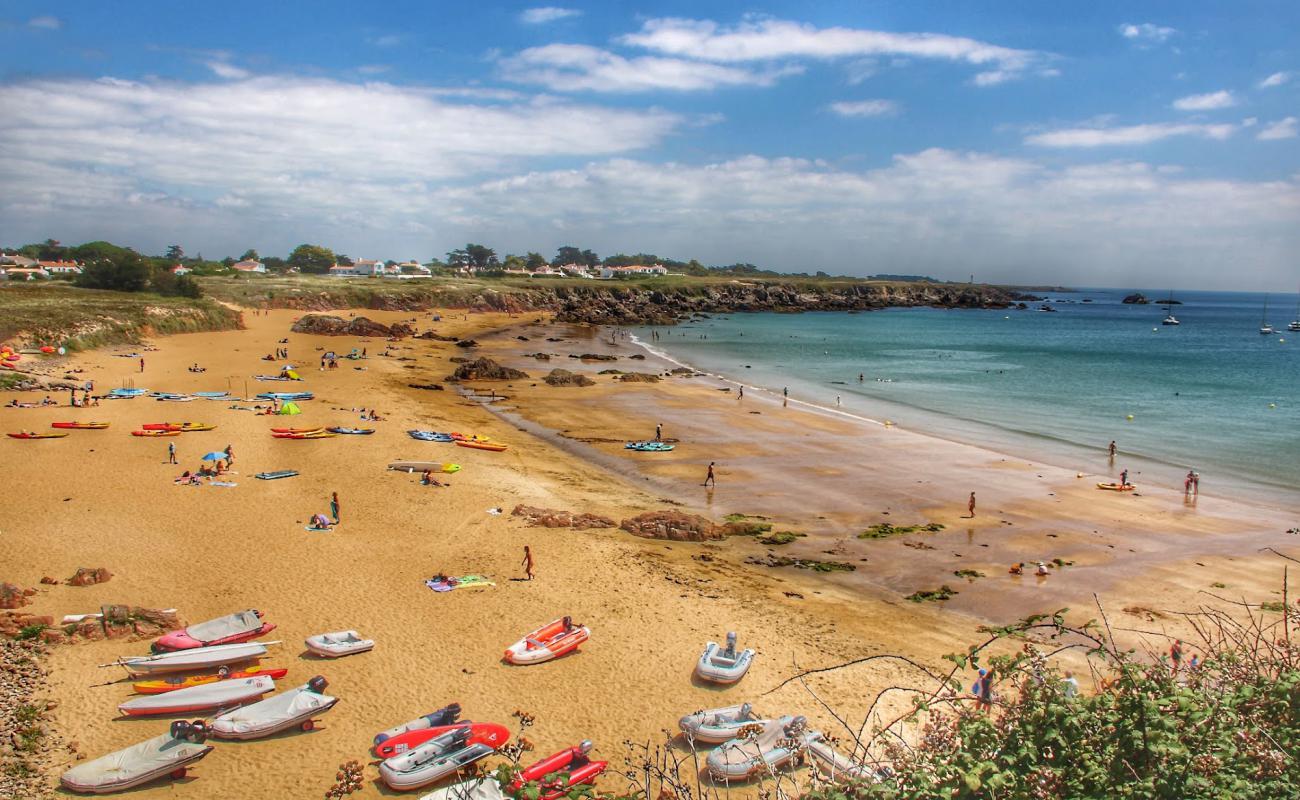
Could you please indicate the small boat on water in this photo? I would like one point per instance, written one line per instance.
(288, 709)
(442, 756)
(230, 629)
(719, 664)
(338, 644)
(204, 697)
(167, 754)
(1294, 325)
(1264, 328)
(1170, 319)
(446, 715)
(558, 774)
(178, 682)
(718, 725)
(772, 749)
(550, 641)
(80, 426)
(198, 658)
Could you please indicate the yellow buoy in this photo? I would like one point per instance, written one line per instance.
(1272, 405)
(1129, 418)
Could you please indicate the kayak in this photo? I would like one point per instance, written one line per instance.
(473, 437)
(212, 395)
(182, 427)
(155, 433)
(1115, 487)
(421, 466)
(559, 773)
(230, 629)
(487, 732)
(164, 685)
(277, 475)
(312, 435)
(493, 446)
(198, 658)
(127, 392)
(26, 435)
(353, 431)
(204, 697)
(166, 754)
(80, 426)
(649, 447)
(297, 430)
(430, 436)
(289, 709)
(443, 716)
(442, 755)
(550, 641)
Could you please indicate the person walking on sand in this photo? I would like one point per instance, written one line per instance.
(171, 452)
(528, 563)
(334, 505)
(741, 396)
(970, 506)
(1176, 654)
(142, 365)
(659, 431)
(709, 479)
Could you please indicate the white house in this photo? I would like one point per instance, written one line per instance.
(25, 273)
(17, 261)
(633, 269)
(249, 265)
(61, 267)
(411, 269)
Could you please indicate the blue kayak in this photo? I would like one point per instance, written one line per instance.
(353, 431)
(430, 436)
(648, 447)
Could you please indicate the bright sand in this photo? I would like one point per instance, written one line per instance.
(104, 498)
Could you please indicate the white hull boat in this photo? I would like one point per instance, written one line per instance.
(338, 644)
(168, 754)
(193, 699)
(193, 659)
(477, 789)
(719, 725)
(289, 709)
(433, 760)
(720, 664)
(772, 749)
(832, 763)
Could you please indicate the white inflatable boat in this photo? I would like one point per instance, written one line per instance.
(219, 694)
(720, 664)
(289, 709)
(834, 764)
(718, 725)
(436, 758)
(338, 644)
(772, 749)
(485, 788)
(193, 659)
(168, 754)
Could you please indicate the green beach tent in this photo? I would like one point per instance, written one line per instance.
(290, 408)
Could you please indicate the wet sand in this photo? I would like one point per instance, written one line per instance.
(104, 498)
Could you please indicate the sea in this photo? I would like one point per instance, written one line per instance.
(1211, 394)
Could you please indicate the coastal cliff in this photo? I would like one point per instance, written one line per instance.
(621, 303)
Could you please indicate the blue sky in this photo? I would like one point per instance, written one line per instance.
(1090, 144)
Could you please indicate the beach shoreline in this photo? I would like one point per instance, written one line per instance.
(104, 498)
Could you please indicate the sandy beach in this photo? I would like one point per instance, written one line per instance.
(107, 499)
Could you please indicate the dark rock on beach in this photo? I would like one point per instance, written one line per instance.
(638, 377)
(674, 526)
(485, 369)
(562, 377)
(552, 518)
(329, 325)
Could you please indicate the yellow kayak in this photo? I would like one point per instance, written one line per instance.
(1115, 487)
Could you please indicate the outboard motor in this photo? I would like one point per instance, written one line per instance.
(318, 684)
(585, 746)
(731, 645)
(446, 715)
(198, 732)
(746, 710)
(180, 729)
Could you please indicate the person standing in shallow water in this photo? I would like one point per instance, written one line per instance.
(659, 431)
(970, 505)
(1112, 449)
(709, 479)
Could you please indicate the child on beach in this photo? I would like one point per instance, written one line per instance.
(528, 563)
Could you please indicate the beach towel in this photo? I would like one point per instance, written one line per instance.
(445, 583)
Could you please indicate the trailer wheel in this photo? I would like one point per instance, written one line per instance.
(177, 773)
(308, 725)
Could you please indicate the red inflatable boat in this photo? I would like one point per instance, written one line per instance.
(487, 733)
(561, 772)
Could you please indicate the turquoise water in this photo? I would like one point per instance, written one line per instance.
(1212, 393)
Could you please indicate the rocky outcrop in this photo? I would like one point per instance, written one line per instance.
(466, 343)
(595, 357)
(327, 325)
(433, 387)
(89, 576)
(28, 746)
(551, 518)
(437, 337)
(562, 377)
(674, 526)
(14, 596)
(485, 369)
(1135, 299)
(638, 377)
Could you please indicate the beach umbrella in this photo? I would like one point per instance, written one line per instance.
(214, 456)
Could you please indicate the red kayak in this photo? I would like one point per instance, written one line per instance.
(488, 733)
(561, 772)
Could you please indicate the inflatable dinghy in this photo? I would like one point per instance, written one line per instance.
(558, 774)
(720, 664)
(204, 697)
(167, 754)
(193, 659)
(649, 447)
(338, 644)
(230, 629)
(834, 764)
(773, 749)
(487, 732)
(430, 436)
(718, 725)
(440, 757)
(446, 715)
(294, 708)
(550, 641)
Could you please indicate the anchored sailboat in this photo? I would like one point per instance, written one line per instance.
(1170, 319)
(1295, 321)
(1264, 328)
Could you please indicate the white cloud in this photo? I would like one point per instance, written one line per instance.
(577, 67)
(46, 23)
(545, 14)
(768, 39)
(1127, 135)
(386, 40)
(1282, 129)
(226, 70)
(1276, 79)
(864, 108)
(1146, 32)
(1210, 101)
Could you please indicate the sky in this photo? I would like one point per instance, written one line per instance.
(1090, 144)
